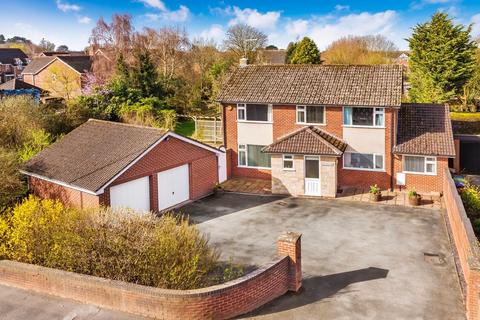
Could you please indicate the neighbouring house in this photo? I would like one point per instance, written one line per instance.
(19, 87)
(62, 76)
(122, 165)
(12, 62)
(317, 129)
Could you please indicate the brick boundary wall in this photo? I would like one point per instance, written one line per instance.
(217, 302)
(466, 245)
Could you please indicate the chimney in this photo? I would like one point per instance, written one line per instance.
(243, 62)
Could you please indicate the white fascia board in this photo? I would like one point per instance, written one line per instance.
(63, 184)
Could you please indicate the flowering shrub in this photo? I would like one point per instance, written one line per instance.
(122, 245)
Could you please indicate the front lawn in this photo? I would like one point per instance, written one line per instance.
(185, 128)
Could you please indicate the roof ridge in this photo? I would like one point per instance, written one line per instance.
(128, 125)
(322, 139)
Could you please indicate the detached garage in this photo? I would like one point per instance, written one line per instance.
(121, 165)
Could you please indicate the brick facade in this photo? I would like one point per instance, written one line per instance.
(284, 122)
(68, 196)
(218, 302)
(170, 153)
(466, 245)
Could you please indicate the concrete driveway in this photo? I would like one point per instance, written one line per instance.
(360, 261)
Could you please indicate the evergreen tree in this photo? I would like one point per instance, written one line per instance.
(442, 59)
(306, 52)
(2, 39)
(146, 77)
(290, 50)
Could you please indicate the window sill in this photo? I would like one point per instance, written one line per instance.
(288, 170)
(365, 169)
(310, 124)
(250, 167)
(367, 127)
(250, 121)
(420, 173)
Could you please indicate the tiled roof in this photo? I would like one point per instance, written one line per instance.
(8, 55)
(424, 129)
(308, 140)
(354, 85)
(15, 84)
(80, 63)
(37, 64)
(94, 153)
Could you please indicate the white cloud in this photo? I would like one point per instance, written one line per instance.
(65, 7)
(476, 25)
(297, 27)
(180, 15)
(157, 4)
(215, 32)
(340, 7)
(252, 17)
(84, 20)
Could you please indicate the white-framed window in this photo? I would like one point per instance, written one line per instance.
(288, 163)
(364, 117)
(311, 114)
(251, 156)
(363, 161)
(420, 165)
(254, 112)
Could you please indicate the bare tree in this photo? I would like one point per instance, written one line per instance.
(243, 40)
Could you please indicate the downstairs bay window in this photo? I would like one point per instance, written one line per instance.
(363, 161)
(250, 155)
(420, 165)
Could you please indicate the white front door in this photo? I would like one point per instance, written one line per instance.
(312, 176)
(173, 187)
(134, 194)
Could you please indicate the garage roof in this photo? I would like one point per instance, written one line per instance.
(90, 157)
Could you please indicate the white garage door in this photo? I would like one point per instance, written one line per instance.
(173, 187)
(134, 194)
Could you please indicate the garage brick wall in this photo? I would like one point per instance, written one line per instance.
(168, 154)
(68, 196)
(423, 182)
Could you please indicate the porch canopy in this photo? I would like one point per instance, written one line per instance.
(309, 140)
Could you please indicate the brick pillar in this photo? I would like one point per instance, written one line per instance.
(289, 244)
(456, 161)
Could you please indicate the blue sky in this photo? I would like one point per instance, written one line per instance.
(70, 21)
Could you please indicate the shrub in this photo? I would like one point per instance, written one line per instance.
(374, 189)
(122, 245)
(11, 185)
(470, 195)
(39, 140)
(413, 194)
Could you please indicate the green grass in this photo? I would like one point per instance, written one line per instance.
(465, 116)
(185, 128)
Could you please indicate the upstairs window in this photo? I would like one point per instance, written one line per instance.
(364, 117)
(254, 112)
(311, 114)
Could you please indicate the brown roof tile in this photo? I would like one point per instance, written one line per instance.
(308, 140)
(424, 129)
(15, 84)
(355, 85)
(37, 64)
(94, 153)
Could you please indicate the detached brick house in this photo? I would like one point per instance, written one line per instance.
(61, 76)
(121, 165)
(315, 129)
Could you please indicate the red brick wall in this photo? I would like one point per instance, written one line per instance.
(466, 245)
(422, 182)
(218, 302)
(68, 196)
